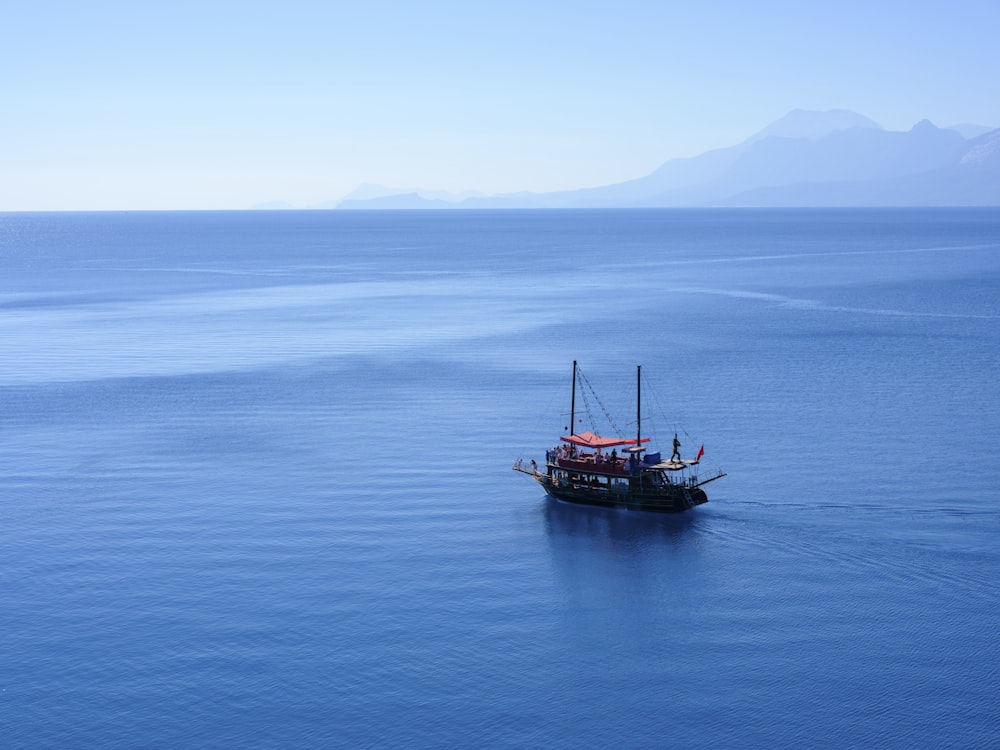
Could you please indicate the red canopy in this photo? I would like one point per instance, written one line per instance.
(590, 440)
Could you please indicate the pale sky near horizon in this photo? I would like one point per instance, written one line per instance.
(216, 105)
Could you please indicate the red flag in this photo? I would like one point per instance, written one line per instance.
(701, 452)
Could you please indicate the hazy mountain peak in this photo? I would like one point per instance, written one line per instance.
(836, 157)
(813, 125)
(924, 125)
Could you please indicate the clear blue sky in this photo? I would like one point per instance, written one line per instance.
(126, 105)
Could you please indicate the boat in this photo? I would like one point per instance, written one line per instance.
(588, 469)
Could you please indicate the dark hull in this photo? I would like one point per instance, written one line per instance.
(672, 500)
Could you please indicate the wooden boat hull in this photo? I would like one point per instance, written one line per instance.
(666, 500)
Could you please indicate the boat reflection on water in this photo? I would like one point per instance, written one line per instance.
(572, 520)
(616, 570)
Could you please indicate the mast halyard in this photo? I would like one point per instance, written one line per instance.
(638, 406)
(572, 404)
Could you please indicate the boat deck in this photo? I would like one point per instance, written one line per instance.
(671, 465)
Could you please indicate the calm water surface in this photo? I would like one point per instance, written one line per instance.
(255, 484)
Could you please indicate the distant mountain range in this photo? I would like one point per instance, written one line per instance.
(832, 158)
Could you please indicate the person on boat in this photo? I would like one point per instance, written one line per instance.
(677, 449)
(614, 455)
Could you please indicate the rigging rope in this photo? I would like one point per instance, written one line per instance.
(586, 407)
(660, 413)
(597, 398)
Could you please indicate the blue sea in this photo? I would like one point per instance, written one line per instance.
(256, 486)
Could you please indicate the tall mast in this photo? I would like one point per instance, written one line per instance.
(572, 405)
(638, 406)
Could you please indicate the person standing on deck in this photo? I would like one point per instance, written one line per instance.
(677, 449)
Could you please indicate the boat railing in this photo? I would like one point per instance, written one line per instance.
(529, 467)
(719, 474)
(589, 463)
